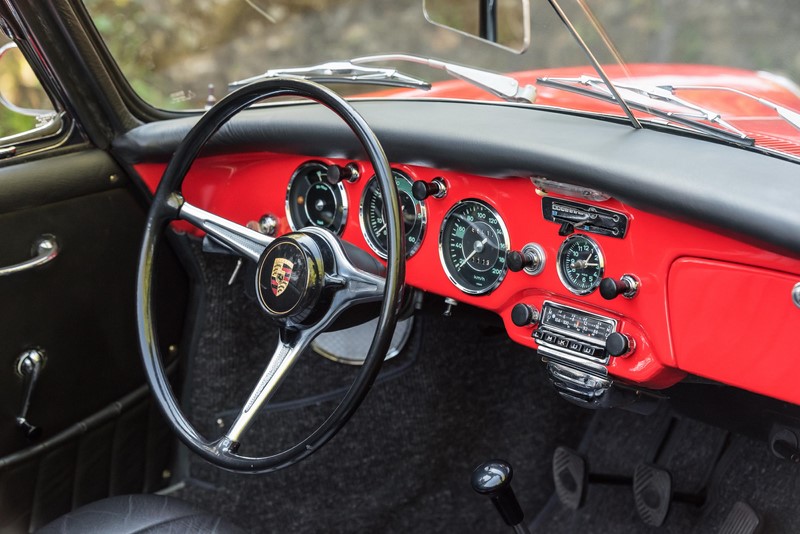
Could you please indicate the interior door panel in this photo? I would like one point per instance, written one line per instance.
(99, 434)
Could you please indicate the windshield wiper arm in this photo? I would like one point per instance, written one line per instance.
(500, 85)
(353, 71)
(641, 99)
(342, 72)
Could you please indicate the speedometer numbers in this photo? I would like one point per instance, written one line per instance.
(472, 247)
(373, 224)
(580, 264)
(312, 201)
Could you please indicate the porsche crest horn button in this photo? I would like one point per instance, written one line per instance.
(288, 277)
(281, 275)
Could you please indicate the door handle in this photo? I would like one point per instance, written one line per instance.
(45, 249)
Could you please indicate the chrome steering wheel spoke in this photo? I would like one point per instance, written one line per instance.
(238, 238)
(351, 286)
(290, 346)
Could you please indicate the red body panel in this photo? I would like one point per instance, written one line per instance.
(669, 340)
(746, 114)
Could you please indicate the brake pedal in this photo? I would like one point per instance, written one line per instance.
(652, 493)
(570, 476)
(742, 519)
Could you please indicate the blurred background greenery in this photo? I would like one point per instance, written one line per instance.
(171, 50)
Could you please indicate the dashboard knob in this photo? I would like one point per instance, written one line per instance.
(618, 344)
(337, 173)
(627, 286)
(516, 261)
(524, 315)
(422, 189)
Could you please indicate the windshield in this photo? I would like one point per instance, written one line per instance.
(731, 60)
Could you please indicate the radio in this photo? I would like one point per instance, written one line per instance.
(575, 337)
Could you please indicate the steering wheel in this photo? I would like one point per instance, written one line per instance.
(303, 281)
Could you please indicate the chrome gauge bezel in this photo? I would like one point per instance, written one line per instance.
(562, 275)
(342, 194)
(421, 212)
(443, 259)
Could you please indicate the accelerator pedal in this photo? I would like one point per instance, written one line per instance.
(652, 493)
(742, 519)
(570, 476)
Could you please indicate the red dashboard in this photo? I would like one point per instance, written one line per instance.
(707, 304)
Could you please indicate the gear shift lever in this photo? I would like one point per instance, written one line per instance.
(493, 478)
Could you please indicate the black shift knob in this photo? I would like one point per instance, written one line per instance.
(493, 479)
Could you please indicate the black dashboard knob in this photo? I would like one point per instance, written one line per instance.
(422, 189)
(627, 286)
(618, 344)
(337, 173)
(524, 315)
(516, 261)
(493, 479)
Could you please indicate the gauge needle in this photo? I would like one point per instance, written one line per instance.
(582, 264)
(381, 229)
(474, 250)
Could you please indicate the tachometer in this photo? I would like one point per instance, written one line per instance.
(312, 201)
(373, 224)
(472, 247)
(580, 264)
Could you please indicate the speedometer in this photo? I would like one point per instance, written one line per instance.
(312, 201)
(373, 224)
(472, 247)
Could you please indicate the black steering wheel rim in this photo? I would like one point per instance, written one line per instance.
(164, 209)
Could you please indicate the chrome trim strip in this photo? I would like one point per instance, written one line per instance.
(583, 364)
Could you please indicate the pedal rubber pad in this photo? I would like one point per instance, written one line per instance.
(742, 519)
(652, 493)
(570, 476)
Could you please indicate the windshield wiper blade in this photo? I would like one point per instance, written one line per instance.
(642, 99)
(790, 116)
(342, 72)
(353, 71)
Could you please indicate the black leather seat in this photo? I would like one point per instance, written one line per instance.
(128, 514)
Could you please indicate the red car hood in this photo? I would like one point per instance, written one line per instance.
(755, 119)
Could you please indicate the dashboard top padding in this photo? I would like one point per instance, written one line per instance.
(680, 176)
